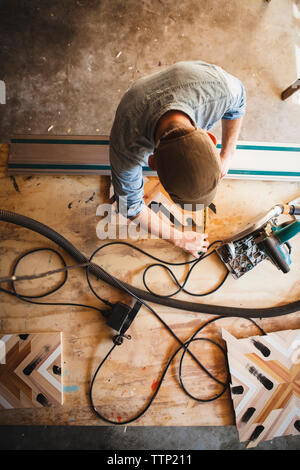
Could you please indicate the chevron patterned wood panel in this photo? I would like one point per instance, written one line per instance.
(265, 384)
(30, 370)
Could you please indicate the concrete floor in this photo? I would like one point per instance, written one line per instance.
(66, 65)
(134, 438)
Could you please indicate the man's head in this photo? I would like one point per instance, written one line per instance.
(188, 165)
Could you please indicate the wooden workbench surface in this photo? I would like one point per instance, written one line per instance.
(68, 204)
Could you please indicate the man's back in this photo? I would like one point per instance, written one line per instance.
(204, 92)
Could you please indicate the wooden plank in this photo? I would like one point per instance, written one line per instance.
(90, 155)
(58, 154)
(69, 205)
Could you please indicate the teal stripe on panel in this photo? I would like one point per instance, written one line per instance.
(264, 173)
(262, 147)
(45, 166)
(253, 172)
(265, 147)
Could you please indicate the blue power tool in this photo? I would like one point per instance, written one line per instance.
(260, 240)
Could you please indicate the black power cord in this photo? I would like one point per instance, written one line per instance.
(14, 278)
(163, 264)
(184, 346)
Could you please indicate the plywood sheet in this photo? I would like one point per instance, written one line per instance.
(69, 205)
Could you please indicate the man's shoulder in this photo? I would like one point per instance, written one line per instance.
(198, 66)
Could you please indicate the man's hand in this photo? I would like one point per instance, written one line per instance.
(192, 242)
(226, 159)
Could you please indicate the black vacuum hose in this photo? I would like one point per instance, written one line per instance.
(100, 273)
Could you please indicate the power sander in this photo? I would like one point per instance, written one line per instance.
(262, 239)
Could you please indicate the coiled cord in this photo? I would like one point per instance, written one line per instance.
(184, 346)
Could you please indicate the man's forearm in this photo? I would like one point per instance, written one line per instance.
(230, 133)
(154, 225)
(190, 241)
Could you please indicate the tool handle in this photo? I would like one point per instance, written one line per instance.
(289, 231)
(296, 210)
